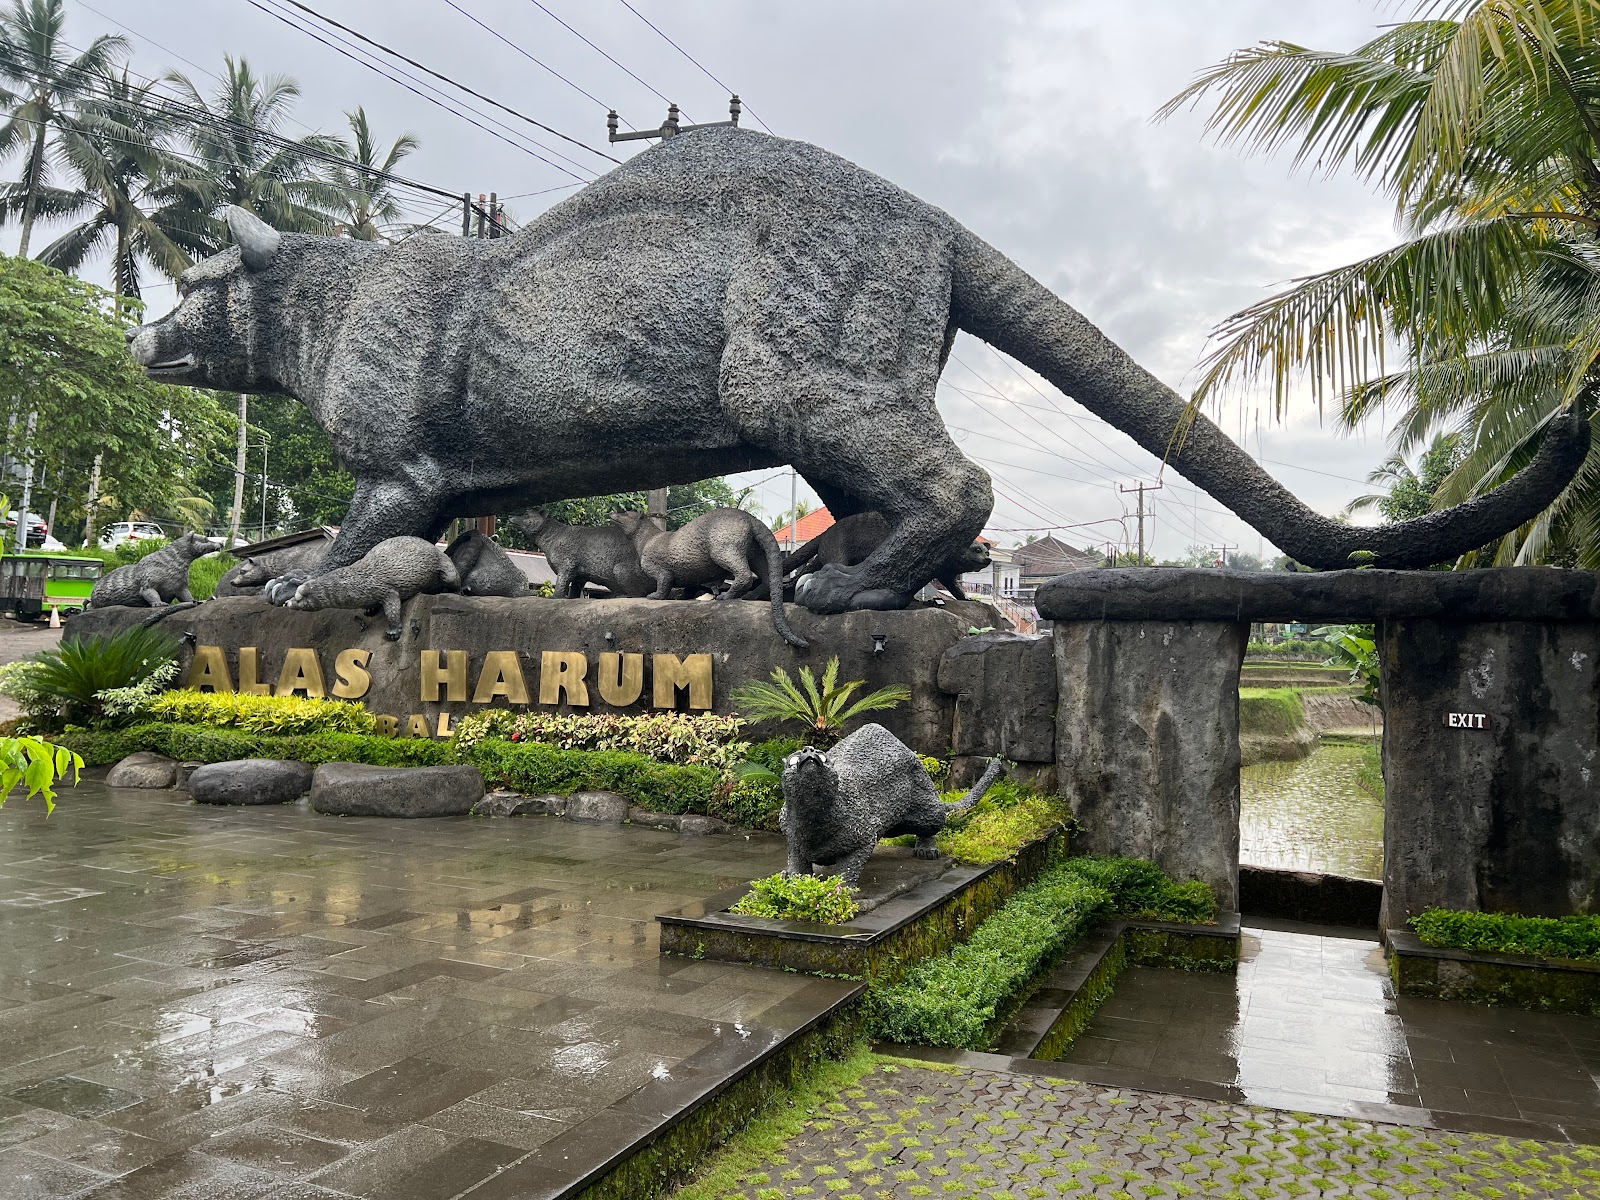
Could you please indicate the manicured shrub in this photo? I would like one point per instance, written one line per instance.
(960, 998)
(1275, 711)
(1506, 933)
(273, 715)
(684, 738)
(1003, 824)
(534, 769)
(799, 898)
(753, 803)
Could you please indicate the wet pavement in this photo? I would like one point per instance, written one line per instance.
(229, 1003)
(1311, 1023)
(1311, 815)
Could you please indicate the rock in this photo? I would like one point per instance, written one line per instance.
(357, 790)
(185, 769)
(251, 781)
(606, 808)
(1309, 896)
(1147, 743)
(514, 804)
(1174, 594)
(966, 770)
(696, 825)
(650, 819)
(1005, 690)
(144, 769)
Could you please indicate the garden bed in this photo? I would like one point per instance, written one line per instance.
(1504, 980)
(923, 921)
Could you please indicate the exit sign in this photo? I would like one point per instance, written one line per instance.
(1455, 720)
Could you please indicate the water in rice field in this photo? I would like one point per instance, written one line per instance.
(1312, 815)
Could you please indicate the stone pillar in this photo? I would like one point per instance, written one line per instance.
(1497, 809)
(1005, 690)
(1147, 742)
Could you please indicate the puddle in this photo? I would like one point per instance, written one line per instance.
(1311, 815)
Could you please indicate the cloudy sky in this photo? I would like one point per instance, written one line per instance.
(1029, 122)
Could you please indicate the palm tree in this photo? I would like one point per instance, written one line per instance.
(1408, 492)
(369, 201)
(117, 150)
(1482, 120)
(47, 86)
(242, 157)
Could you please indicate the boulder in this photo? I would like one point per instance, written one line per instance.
(604, 808)
(357, 790)
(502, 803)
(144, 769)
(251, 781)
(185, 769)
(1004, 686)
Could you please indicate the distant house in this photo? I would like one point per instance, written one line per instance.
(1045, 559)
(806, 528)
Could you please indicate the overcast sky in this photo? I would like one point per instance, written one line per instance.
(1029, 122)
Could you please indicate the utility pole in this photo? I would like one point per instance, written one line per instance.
(265, 442)
(1141, 488)
(670, 127)
(27, 481)
(238, 472)
(1222, 552)
(794, 504)
(656, 503)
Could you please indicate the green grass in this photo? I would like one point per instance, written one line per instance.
(1369, 776)
(1506, 933)
(1278, 712)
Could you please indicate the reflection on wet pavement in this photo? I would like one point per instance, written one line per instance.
(1311, 1021)
(213, 1002)
(1311, 815)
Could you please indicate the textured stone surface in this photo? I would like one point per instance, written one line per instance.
(144, 769)
(1193, 594)
(250, 575)
(1309, 896)
(1505, 818)
(1147, 742)
(602, 808)
(393, 571)
(739, 637)
(723, 301)
(1005, 690)
(581, 554)
(156, 579)
(483, 568)
(357, 790)
(251, 781)
(838, 805)
(514, 804)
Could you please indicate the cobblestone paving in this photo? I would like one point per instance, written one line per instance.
(910, 1131)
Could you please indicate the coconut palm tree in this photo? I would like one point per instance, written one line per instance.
(1482, 120)
(117, 150)
(42, 81)
(369, 201)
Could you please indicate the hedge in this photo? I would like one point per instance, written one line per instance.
(1506, 933)
(963, 997)
(1276, 711)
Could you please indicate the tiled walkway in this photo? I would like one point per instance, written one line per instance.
(1311, 1021)
(907, 1131)
(213, 1003)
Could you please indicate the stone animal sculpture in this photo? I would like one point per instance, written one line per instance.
(386, 576)
(252, 574)
(851, 541)
(156, 579)
(582, 554)
(725, 543)
(484, 568)
(726, 300)
(836, 806)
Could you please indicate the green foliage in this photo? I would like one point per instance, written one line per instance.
(535, 769)
(685, 502)
(1008, 818)
(1369, 775)
(205, 572)
(685, 738)
(1276, 711)
(800, 898)
(209, 743)
(959, 998)
(37, 765)
(126, 704)
(1505, 933)
(752, 803)
(64, 686)
(1356, 647)
(271, 715)
(1299, 649)
(822, 711)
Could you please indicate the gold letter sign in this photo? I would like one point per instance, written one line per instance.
(669, 673)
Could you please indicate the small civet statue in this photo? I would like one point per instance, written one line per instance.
(836, 806)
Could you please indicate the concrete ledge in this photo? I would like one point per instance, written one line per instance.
(1184, 594)
(1309, 896)
(1503, 980)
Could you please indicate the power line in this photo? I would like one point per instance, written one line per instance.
(691, 58)
(605, 56)
(536, 62)
(452, 82)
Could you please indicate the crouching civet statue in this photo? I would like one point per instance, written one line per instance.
(724, 301)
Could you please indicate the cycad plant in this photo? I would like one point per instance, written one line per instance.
(71, 678)
(821, 710)
(1482, 119)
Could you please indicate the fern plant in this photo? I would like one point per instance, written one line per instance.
(822, 710)
(68, 680)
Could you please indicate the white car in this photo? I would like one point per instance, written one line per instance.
(120, 532)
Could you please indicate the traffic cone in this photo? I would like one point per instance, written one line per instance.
(55, 617)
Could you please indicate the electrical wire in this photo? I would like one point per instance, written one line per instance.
(536, 62)
(691, 58)
(603, 55)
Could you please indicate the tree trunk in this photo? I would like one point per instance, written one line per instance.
(30, 200)
(27, 483)
(94, 495)
(238, 473)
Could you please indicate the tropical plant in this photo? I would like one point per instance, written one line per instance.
(1355, 647)
(822, 710)
(827, 901)
(70, 679)
(1482, 120)
(41, 81)
(37, 765)
(275, 716)
(369, 201)
(1409, 493)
